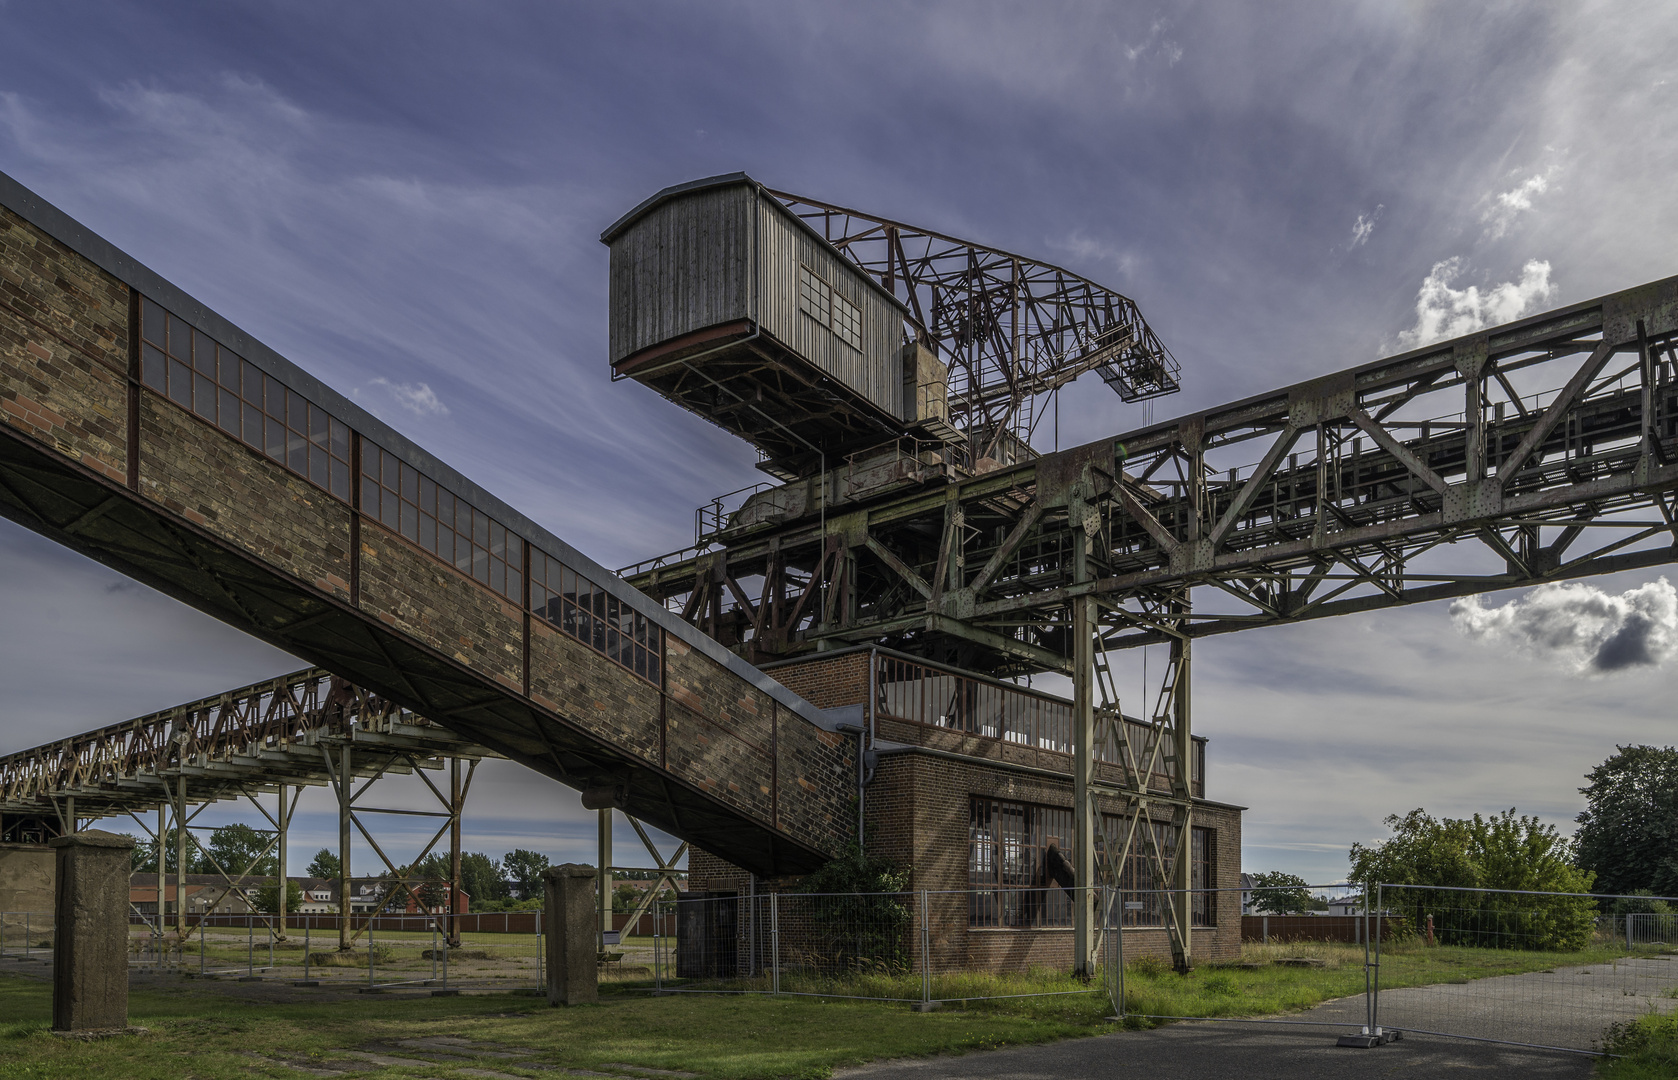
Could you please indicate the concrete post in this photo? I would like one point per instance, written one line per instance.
(90, 936)
(572, 958)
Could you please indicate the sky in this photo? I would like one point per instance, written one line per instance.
(406, 198)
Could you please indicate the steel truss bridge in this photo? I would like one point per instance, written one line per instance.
(272, 738)
(1533, 452)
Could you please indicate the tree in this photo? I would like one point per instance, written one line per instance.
(237, 846)
(525, 868)
(1279, 893)
(1629, 829)
(1502, 852)
(268, 898)
(482, 878)
(325, 865)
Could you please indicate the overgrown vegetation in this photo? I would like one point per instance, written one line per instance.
(1628, 833)
(1647, 1048)
(1502, 852)
(859, 915)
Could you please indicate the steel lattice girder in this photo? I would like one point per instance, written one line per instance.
(1347, 493)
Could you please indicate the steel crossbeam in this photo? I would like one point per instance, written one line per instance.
(1476, 464)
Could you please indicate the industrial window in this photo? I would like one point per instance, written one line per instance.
(430, 515)
(1008, 846)
(814, 296)
(817, 299)
(211, 380)
(1144, 891)
(585, 611)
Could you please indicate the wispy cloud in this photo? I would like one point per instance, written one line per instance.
(1444, 311)
(1504, 207)
(417, 398)
(1364, 227)
(1593, 632)
(1155, 45)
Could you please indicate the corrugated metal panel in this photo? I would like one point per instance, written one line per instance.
(783, 247)
(682, 267)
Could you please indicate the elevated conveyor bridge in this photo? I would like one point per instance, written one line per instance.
(146, 431)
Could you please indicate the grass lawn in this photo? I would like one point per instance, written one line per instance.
(201, 1030)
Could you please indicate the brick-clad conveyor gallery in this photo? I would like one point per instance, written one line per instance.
(144, 430)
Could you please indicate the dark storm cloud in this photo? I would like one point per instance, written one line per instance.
(404, 199)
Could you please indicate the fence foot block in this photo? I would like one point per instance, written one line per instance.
(445, 993)
(1360, 1042)
(927, 1006)
(307, 982)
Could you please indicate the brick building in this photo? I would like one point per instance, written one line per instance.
(971, 785)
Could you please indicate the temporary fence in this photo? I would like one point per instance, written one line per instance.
(925, 947)
(26, 935)
(387, 952)
(1528, 968)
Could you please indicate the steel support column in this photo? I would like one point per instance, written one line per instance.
(603, 877)
(180, 857)
(1182, 866)
(1083, 803)
(342, 783)
(455, 807)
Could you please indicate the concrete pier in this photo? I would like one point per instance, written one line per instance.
(90, 943)
(569, 923)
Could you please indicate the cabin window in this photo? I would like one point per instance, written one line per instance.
(1007, 866)
(817, 299)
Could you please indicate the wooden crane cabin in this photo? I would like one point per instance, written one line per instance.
(727, 303)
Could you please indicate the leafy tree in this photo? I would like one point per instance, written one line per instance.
(144, 859)
(325, 865)
(1628, 833)
(268, 898)
(1642, 902)
(525, 868)
(236, 847)
(1502, 852)
(482, 878)
(1279, 893)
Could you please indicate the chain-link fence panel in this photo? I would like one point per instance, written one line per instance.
(1542, 969)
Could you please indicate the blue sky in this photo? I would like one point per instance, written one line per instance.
(405, 199)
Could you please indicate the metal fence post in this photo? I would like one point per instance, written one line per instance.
(454, 924)
(775, 943)
(1375, 1008)
(1266, 925)
(250, 946)
(541, 953)
(306, 924)
(26, 935)
(370, 920)
(926, 951)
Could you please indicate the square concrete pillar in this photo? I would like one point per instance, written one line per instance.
(90, 940)
(569, 923)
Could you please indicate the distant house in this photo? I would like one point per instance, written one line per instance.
(320, 896)
(204, 892)
(1247, 887)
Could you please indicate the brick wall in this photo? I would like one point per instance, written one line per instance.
(63, 349)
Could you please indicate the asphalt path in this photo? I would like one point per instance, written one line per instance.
(1212, 1051)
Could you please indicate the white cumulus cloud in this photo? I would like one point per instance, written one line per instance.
(1506, 206)
(1443, 311)
(1579, 625)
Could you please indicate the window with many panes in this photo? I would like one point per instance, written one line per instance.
(817, 299)
(585, 611)
(1007, 867)
(207, 378)
(1144, 891)
(211, 381)
(411, 503)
